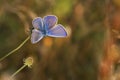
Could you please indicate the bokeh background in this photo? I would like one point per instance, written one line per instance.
(76, 57)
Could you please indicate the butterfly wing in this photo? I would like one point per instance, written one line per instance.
(57, 31)
(49, 21)
(36, 36)
(38, 23)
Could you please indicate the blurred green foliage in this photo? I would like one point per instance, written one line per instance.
(73, 58)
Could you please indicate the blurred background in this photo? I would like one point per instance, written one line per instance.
(76, 57)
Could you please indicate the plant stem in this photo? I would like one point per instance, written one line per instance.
(15, 49)
(18, 71)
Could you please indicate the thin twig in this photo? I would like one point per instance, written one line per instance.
(15, 49)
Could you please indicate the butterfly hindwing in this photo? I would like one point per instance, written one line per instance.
(57, 31)
(36, 36)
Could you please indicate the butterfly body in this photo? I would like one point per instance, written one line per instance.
(46, 27)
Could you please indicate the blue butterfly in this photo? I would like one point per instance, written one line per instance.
(46, 27)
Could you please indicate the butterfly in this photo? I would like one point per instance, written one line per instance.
(46, 26)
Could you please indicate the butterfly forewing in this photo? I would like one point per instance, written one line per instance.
(49, 21)
(57, 31)
(38, 23)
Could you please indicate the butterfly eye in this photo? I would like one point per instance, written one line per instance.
(31, 30)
